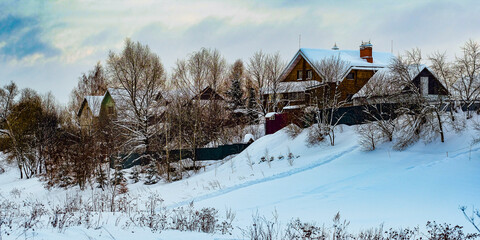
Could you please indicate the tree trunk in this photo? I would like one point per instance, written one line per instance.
(440, 125)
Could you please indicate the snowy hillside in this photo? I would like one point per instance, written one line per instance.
(428, 181)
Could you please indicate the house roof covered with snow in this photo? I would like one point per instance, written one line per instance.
(120, 96)
(351, 57)
(384, 82)
(94, 103)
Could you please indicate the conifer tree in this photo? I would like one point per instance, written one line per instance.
(152, 174)
(135, 175)
(101, 179)
(119, 175)
(236, 93)
(251, 104)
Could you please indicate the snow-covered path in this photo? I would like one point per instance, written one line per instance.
(274, 177)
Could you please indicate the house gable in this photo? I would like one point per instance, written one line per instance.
(208, 94)
(108, 106)
(435, 87)
(299, 71)
(349, 86)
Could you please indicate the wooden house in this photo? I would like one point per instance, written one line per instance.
(386, 87)
(89, 112)
(301, 84)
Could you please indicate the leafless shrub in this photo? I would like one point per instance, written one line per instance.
(408, 130)
(262, 228)
(215, 184)
(249, 161)
(369, 135)
(340, 228)
(316, 135)
(475, 215)
(293, 130)
(232, 165)
(371, 234)
(405, 233)
(189, 219)
(459, 124)
(226, 227)
(16, 193)
(447, 231)
(154, 217)
(290, 157)
(298, 230)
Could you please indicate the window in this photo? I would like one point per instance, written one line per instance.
(351, 76)
(110, 110)
(299, 75)
(424, 85)
(309, 74)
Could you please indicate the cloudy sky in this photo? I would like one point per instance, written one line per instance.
(46, 45)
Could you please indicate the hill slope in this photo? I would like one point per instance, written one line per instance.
(398, 188)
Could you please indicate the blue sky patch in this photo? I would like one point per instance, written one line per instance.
(22, 37)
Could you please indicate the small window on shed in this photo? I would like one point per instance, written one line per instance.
(351, 76)
(299, 75)
(110, 110)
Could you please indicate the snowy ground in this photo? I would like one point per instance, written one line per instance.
(400, 189)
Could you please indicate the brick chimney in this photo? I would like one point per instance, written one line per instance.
(366, 51)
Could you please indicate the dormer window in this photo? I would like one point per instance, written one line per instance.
(351, 76)
(309, 74)
(299, 75)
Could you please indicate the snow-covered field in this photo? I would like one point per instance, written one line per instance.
(426, 182)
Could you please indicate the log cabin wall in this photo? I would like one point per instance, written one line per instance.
(349, 86)
(303, 66)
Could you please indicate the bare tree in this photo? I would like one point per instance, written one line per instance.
(445, 73)
(467, 73)
(256, 68)
(93, 83)
(332, 70)
(419, 116)
(192, 76)
(274, 66)
(217, 69)
(139, 77)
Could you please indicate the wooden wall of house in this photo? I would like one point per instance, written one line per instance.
(86, 118)
(348, 87)
(106, 104)
(304, 66)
